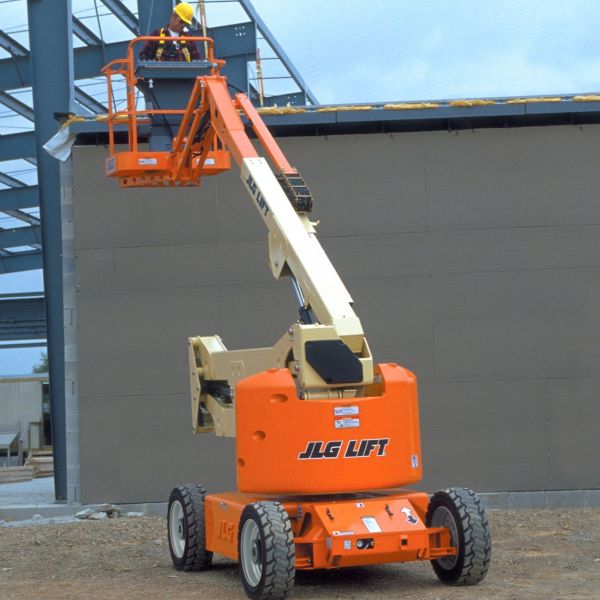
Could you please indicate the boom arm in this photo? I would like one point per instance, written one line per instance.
(325, 349)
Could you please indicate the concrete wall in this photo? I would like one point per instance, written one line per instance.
(473, 259)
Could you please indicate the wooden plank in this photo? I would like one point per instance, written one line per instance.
(16, 474)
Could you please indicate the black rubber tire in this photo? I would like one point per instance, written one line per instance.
(474, 542)
(277, 553)
(195, 556)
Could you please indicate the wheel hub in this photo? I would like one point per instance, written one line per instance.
(251, 553)
(177, 529)
(442, 517)
(256, 551)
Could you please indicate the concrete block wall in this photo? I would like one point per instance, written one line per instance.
(473, 259)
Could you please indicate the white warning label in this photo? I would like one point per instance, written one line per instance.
(371, 524)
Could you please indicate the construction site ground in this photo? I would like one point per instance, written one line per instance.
(536, 554)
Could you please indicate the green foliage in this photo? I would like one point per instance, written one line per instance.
(42, 366)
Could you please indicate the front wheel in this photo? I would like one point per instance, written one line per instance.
(187, 529)
(460, 510)
(266, 551)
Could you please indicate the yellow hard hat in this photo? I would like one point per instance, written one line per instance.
(185, 12)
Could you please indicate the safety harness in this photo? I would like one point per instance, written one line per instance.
(161, 47)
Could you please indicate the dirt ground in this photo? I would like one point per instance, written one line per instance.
(536, 554)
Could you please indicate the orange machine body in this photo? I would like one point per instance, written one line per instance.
(339, 531)
(286, 445)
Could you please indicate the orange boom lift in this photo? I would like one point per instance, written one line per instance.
(325, 439)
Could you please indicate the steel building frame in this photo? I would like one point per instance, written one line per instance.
(37, 242)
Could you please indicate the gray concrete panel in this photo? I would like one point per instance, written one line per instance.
(368, 184)
(574, 443)
(191, 265)
(485, 435)
(138, 217)
(372, 256)
(531, 176)
(137, 341)
(473, 260)
(147, 447)
(254, 316)
(95, 269)
(515, 249)
(397, 315)
(517, 325)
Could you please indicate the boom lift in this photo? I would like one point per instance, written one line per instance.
(323, 436)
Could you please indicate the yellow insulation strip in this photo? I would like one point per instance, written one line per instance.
(411, 106)
(343, 108)
(471, 102)
(73, 119)
(586, 98)
(529, 100)
(280, 110)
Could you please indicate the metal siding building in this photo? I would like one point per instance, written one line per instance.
(473, 258)
(21, 404)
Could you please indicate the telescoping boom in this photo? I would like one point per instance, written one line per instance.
(325, 349)
(322, 435)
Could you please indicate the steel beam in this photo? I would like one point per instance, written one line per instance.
(22, 319)
(10, 181)
(123, 14)
(52, 82)
(90, 59)
(16, 105)
(22, 216)
(23, 261)
(20, 236)
(89, 103)
(85, 34)
(40, 344)
(16, 72)
(18, 198)
(254, 16)
(17, 145)
(11, 45)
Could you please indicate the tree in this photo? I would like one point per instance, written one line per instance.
(42, 366)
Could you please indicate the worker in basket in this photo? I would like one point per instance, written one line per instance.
(169, 47)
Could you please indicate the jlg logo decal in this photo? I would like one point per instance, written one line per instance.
(258, 197)
(353, 449)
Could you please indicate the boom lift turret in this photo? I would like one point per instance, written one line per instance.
(322, 433)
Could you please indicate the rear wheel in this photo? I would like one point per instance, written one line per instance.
(266, 551)
(460, 510)
(187, 529)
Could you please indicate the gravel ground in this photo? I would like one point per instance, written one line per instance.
(536, 554)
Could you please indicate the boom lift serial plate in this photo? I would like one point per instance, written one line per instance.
(322, 433)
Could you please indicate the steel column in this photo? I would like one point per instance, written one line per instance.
(153, 14)
(52, 81)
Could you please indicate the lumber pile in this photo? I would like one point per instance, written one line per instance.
(43, 466)
(16, 474)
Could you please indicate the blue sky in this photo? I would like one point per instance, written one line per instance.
(385, 50)
(390, 50)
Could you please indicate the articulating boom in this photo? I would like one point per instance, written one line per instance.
(322, 435)
(325, 350)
